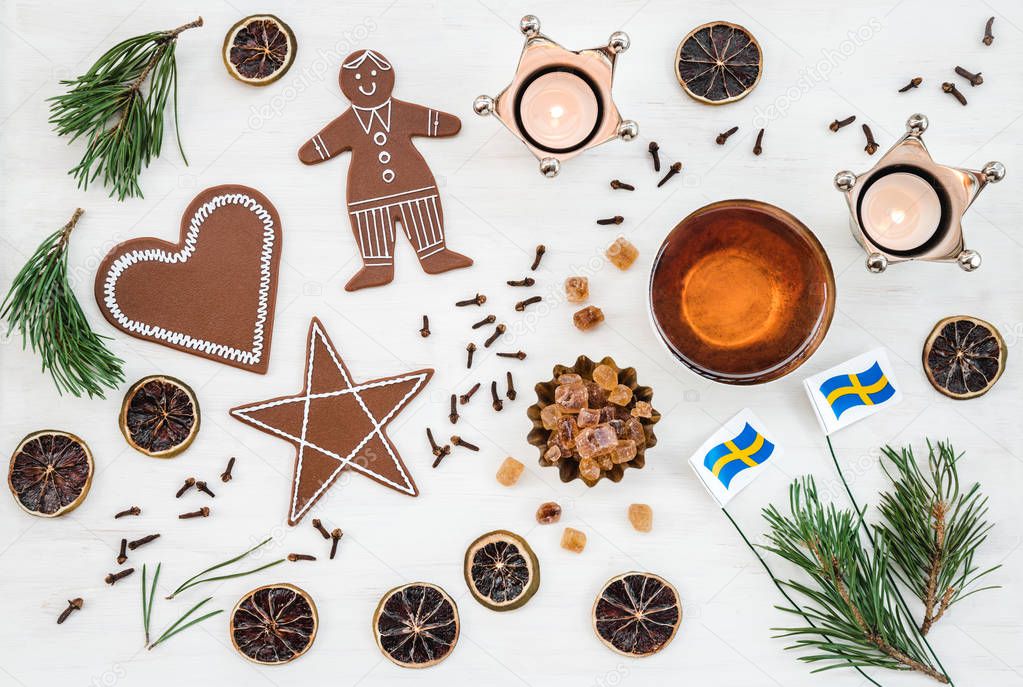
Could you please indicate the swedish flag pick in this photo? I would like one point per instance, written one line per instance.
(853, 390)
(733, 456)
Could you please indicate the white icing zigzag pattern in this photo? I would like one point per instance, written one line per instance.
(249, 357)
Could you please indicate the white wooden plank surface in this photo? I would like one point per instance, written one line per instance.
(823, 60)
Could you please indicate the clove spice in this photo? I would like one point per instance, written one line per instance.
(621, 185)
(134, 510)
(453, 415)
(723, 136)
(498, 404)
(675, 168)
(201, 486)
(335, 535)
(189, 483)
(617, 219)
(521, 305)
(974, 79)
(122, 556)
(871, 146)
(528, 281)
(950, 87)
(464, 398)
(318, 524)
(459, 441)
(540, 250)
(470, 349)
(479, 299)
(989, 37)
(839, 123)
(300, 557)
(498, 331)
(520, 355)
(113, 578)
(489, 319)
(913, 83)
(758, 147)
(441, 454)
(132, 545)
(72, 606)
(511, 393)
(653, 148)
(225, 476)
(203, 512)
(425, 331)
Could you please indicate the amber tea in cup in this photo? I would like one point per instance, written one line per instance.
(742, 292)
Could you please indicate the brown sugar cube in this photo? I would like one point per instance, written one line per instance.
(510, 471)
(642, 409)
(605, 376)
(573, 540)
(577, 289)
(569, 378)
(620, 395)
(548, 513)
(588, 318)
(622, 253)
(589, 469)
(641, 516)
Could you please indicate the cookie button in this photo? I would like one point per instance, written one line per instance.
(384, 157)
(380, 138)
(388, 176)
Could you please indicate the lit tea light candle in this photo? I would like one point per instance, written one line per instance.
(901, 211)
(559, 111)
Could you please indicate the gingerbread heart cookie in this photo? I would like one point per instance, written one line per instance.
(212, 294)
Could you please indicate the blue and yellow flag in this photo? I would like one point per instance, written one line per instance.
(853, 390)
(733, 456)
(868, 388)
(747, 450)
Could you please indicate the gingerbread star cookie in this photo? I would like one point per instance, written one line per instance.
(337, 424)
(212, 294)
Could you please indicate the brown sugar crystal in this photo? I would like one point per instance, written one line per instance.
(548, 513)
(641, 516)
(573, 540)
(510, 471)
(621, 253)
(577, 289)
(588, 318)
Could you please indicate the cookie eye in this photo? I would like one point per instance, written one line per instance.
(358, 77)
(373, 72)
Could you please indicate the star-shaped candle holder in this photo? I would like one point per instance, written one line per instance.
(559, 102)
(908, 207)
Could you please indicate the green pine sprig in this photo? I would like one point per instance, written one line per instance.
(42, 307)
(854, 605)
(199, 579)
(123, 125)
(932, 528)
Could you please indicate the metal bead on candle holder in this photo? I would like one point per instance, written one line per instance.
(559, 101)
(908, 207)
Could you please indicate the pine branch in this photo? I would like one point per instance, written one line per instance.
(932, 528)
(122, 125)
(42, 307)
(858, 621)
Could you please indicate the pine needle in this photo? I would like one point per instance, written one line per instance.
(857, 620)
(932, 528)
(42, 307)
(178, 627)
(122, 125)
(194, 579)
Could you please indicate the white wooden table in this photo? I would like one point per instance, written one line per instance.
(822, 61)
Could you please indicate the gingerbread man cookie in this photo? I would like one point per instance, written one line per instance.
(389, 182)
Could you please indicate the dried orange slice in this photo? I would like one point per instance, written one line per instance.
(637, 614)
(259, 49)
(719, 62)
(416, 625)
(50, 473)
(501, 570)
(274, 624)
(159, 416)
(964, 357)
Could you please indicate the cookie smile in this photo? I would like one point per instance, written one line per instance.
(369, 92)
